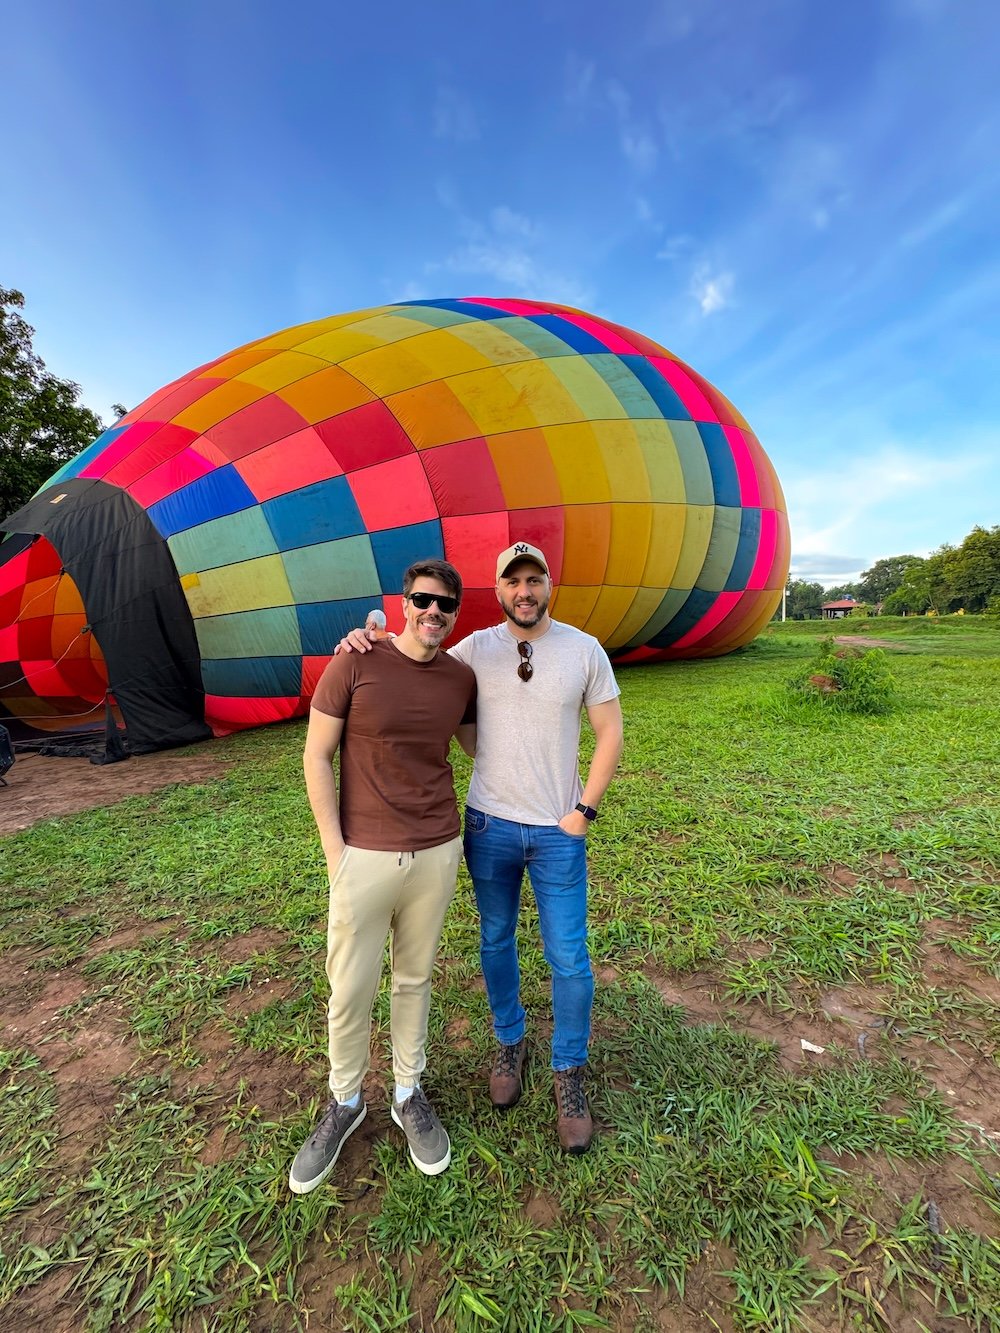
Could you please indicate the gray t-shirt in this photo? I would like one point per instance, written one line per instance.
(528, 732)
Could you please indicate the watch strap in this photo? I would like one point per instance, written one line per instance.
(587, 811)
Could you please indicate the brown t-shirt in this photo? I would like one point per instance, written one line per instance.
(396, 788)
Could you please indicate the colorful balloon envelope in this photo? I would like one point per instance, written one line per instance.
(204, 555)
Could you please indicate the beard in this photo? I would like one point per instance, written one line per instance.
(431, 630)
(527, 617)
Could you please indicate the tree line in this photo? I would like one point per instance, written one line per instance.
(952, 578)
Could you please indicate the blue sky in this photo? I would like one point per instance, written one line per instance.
(800, 199)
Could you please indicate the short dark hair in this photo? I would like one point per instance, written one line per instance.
(434, 569)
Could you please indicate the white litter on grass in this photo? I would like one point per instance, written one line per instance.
(989, 1134)
(808, 1046)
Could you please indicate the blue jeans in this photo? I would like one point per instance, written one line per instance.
(497, 852)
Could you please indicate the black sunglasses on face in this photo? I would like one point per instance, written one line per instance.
(423, 600)
(524, 668)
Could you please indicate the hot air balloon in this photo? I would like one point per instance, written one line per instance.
(202, 557)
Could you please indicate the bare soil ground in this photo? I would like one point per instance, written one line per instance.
(866, 641)
(47, 787)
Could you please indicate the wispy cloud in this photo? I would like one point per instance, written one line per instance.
(637, 143)
(676, 247)
(578, 80)
(867, 504)
(513, 266)
(454, 116)
(413, 290)
(505, 222)
(669, 23)
(712, 290)
(446, 193)
(823, 567)
(810, 178)
(940, 220)
(520, 272)
(506, 250)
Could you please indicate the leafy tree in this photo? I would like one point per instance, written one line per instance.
(884, 577)
(933, 578)
(973, 570)
(913, 596)
(804, 601)
(42, 425)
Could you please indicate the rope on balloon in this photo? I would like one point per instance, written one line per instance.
(20, 615)
(25, 679)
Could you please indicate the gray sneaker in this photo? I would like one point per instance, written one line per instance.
(429, 1144)
(318, 1155)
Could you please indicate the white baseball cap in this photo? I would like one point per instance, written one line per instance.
(520, 551)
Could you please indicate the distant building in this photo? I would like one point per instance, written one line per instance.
(837, 610)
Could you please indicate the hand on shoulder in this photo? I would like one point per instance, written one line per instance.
(361, 640)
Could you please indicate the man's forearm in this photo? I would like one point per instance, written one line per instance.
(321, 787)
(606, 720)
(607, 753)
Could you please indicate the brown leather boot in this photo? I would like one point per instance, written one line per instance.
(505, 1076)
(576, 1128)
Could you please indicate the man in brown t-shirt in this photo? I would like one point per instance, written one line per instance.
(392, 847)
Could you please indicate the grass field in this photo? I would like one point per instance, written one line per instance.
(766, 872)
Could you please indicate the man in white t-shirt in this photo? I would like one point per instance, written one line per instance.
(528, 810)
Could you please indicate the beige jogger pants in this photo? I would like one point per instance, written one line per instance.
(371, 895)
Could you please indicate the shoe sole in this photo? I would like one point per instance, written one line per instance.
(428, 1168)
(505, 1106)
(306, 1186)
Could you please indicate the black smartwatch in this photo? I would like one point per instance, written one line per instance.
(587, 811)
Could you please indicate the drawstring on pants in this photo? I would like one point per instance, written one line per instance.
(402, 854)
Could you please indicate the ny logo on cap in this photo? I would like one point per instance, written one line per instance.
(520, 548)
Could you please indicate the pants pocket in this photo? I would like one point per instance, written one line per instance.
(475, 821)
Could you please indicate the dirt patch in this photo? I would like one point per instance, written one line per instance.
(251, 999)
(260, 940)
(46, 788)
(135, 935)
(708, 1295)
(49, 1305)
(967, 1081)
(852, 1018)
(842, 878)
(84, 1055)
(457, 1033)
(700, 995)
(946, 969)
(29, 999)
(882, 1185)
(542, 1210)
(864, 641)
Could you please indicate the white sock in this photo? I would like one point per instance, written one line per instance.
(352, 1102)
(402, 1093)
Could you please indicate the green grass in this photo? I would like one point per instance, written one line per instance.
(755, 854)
